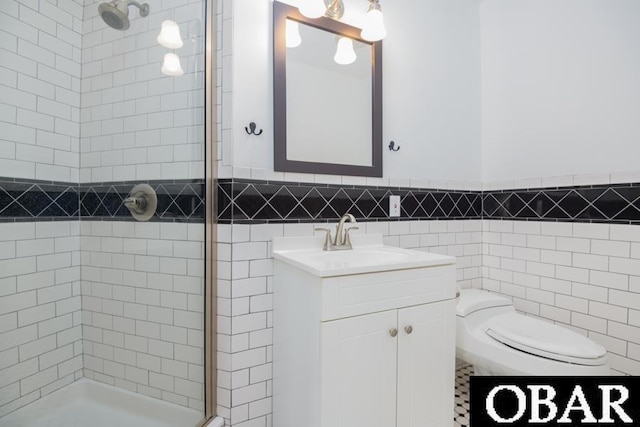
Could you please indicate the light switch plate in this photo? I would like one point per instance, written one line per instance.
(394, 206)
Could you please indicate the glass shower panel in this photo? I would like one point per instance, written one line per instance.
(92, 302)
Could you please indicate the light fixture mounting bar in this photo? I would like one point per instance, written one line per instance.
(335, 9)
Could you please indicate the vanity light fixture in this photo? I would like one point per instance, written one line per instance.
(293, 34)
(373, 29)
(333, 9)
(171, 66)
(344, 52)
(169, 36)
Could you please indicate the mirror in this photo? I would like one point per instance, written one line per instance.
(327, 97)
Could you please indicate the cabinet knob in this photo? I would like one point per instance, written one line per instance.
(408, 329)
(393, 332)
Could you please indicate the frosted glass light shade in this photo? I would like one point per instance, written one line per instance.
(171, 66)
(344, 52)
(293, 34)
(312, 8)
(169, 36)
(373, 29)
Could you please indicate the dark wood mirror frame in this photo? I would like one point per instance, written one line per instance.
(282, 12)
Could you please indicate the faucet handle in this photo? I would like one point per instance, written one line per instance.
(327, 238)
(347, 239)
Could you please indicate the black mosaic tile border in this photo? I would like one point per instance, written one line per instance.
(249, 201)
(178, 200)
(609, 203)
(30, 200)
(252, 201)
(33, 200)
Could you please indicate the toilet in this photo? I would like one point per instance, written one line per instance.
(498, 341)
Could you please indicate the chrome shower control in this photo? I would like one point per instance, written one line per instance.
(137, 204)
(142, 202)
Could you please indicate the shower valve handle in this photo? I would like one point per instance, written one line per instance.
(142, 202)
(137, 203)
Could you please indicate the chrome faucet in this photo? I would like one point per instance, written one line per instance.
(341, 240)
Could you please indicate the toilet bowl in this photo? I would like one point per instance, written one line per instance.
(498, 341)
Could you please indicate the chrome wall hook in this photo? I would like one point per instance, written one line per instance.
(392, 146)
(251, 130)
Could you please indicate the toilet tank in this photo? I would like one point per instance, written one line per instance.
(475, 306)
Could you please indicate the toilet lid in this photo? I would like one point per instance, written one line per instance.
(544, 339)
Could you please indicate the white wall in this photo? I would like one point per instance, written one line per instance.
(560, 87)
(40, 317)
(40, 89)
(138, 123)
(430, 80)
(143, 308)
(432, 89)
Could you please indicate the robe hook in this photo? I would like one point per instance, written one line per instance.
(251, 130)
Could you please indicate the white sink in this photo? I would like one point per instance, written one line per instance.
(368, 255)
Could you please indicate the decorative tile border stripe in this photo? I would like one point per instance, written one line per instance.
(30, 200)
(178, 200)
(249, 201)
(608, 203)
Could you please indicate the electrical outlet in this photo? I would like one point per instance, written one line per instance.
(394, 206)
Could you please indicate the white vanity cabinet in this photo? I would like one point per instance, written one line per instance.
(373, 349)
(371, 378)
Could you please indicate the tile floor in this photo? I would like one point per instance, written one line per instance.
(461, 416)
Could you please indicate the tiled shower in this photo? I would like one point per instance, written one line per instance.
(85, 114)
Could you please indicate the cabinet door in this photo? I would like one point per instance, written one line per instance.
(426, 365)
(358, 365)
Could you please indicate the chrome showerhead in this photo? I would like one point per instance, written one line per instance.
(116, 13)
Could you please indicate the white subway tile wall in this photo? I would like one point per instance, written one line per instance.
(137, 123)
(40, 310)
(245, 286)
(63, 74)
(40, 82)
(143, 308)
(583, 276)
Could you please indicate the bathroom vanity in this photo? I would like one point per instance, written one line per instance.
(362, 337)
